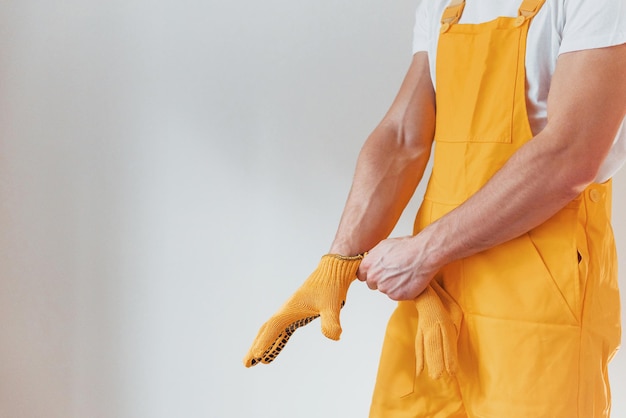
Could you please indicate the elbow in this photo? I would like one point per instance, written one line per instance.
(577, 180)
(415, 146)
(579, 167)
(579, 148)
(415, 139)
(405, 142)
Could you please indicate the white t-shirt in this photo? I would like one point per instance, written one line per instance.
(560, 26)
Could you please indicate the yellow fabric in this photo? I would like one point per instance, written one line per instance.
(439, 321)
(322, 294)
(541, 314)
(453, 12)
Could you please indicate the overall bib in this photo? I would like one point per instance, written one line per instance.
(541, 314)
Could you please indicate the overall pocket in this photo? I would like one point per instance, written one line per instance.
(534, 277)
(479, 97)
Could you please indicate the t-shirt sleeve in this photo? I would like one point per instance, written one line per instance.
(593, 24)
(421, 30)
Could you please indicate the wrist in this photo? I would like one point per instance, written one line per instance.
(339, 267)
(341, 257)
(435, 240)
(345, 249)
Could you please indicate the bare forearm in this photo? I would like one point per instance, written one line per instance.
(386, 176)
(390, 165)
(536, 182)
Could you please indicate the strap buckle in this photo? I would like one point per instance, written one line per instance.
(529, 8)
(452, 14)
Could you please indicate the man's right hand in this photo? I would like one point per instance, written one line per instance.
(322, 294)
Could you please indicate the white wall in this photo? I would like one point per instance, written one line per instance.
(169, 173)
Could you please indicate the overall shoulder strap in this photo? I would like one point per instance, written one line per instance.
(529, 8)
(452, 14)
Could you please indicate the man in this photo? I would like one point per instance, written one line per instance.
(508, 290)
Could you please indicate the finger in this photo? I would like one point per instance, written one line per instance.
(252, 360)
(331, 326)
(267, 336)
(265, 349)
(263, 341)
(361, 273)
(433, 350)
(450, 349)
(450, 305)
(271, 353)
(371, 283)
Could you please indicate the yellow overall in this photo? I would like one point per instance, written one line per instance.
(541, 315)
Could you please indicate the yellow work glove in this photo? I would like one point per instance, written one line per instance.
(438, 323)
(322, 294)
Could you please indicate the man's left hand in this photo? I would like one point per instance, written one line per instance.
(398, 267)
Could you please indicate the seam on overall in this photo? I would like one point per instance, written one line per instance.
(523, 321)
(583, 206)
(554, 281)
(520, 41)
